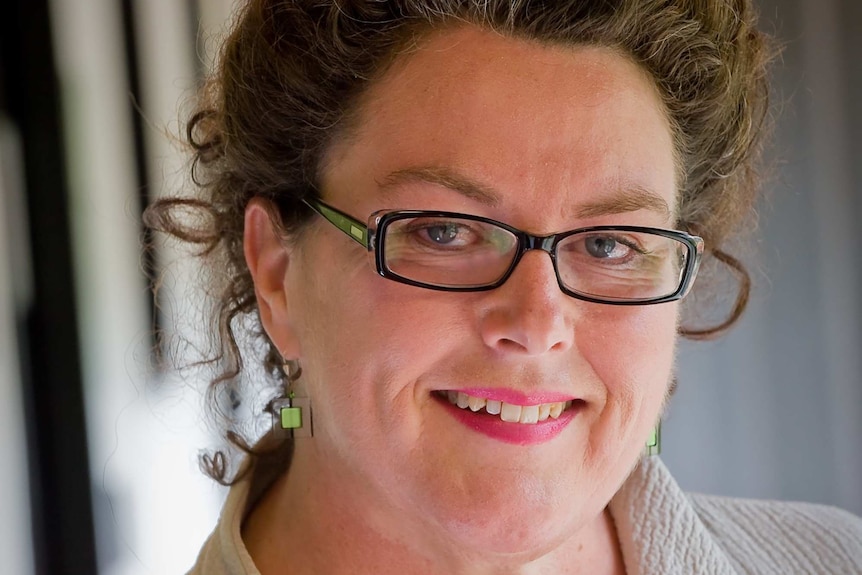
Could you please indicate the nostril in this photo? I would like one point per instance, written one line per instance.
(525, 335)
(510, 345)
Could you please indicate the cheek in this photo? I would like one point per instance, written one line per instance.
(634, 347)
(365, 346)
(633, 357)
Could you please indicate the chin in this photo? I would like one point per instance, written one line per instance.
(525, 537)
(524, 520)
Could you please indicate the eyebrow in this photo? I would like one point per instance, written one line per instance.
(442, 177)
(626, 200)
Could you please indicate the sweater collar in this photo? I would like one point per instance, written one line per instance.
(658, 528)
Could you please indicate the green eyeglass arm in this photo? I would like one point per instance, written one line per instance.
(350, 226)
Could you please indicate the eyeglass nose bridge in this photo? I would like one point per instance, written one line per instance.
(530, 242)
(544, 243)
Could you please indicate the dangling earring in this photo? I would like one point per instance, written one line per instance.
(653, 445)
(291, 415)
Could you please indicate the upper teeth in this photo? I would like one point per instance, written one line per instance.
(509, 412)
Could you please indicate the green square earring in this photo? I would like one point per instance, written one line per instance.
(291, 415)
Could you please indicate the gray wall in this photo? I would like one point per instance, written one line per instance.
(775, 408)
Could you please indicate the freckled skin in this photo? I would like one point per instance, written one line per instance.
(548, 129)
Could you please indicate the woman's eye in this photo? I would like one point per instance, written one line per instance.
(442, 233)
(605, 247)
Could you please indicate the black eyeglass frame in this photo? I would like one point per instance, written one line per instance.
(372, 237)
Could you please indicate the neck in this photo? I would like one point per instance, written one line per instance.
(313, 521)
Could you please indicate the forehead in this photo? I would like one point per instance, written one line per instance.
(532, 122)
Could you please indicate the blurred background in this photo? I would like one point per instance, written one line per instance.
(98, 446)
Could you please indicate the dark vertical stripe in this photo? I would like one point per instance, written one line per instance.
(133, 79)
(63, 531)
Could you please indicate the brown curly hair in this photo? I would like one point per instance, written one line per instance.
(291, 72)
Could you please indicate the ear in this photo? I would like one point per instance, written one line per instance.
(268, 259)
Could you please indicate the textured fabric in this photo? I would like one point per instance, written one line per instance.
(662, 531)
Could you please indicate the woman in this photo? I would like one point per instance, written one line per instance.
(381, 179)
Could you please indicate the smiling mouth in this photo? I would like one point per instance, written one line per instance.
(507, 412)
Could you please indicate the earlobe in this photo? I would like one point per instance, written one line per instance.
(268, 259)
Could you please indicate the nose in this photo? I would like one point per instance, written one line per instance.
(529, 314)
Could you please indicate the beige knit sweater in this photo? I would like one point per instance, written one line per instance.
(662, 530)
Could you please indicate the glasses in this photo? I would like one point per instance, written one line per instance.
(448, 251)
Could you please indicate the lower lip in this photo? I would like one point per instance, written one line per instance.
(515, 433)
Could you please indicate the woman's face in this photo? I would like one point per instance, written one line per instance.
(546, 139)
